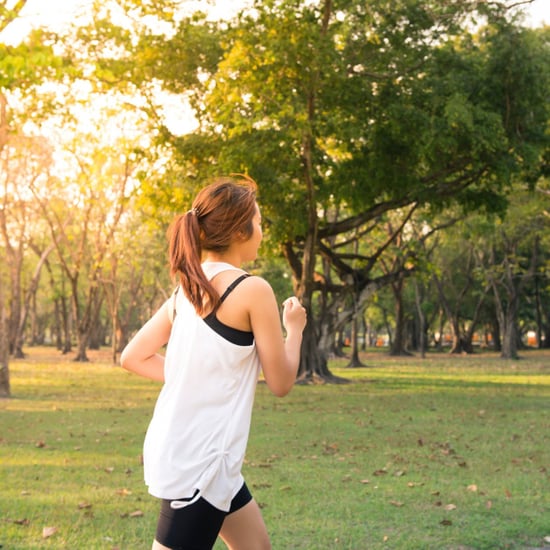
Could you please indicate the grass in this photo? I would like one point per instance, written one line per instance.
(436, 453)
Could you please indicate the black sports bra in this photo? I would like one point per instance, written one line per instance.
(233, 335)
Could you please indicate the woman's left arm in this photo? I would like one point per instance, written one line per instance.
(141, 354)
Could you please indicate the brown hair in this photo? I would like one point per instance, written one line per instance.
(219, 212)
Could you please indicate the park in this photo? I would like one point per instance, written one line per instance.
(400, 150)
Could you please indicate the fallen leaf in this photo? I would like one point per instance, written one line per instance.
(40, 444)
(414, 484)
(109, 469)
(446, 522)
(508, 493)
(365, 481)
(84, 505)
(48, 532)
(400, 473)
(123, 492)
(489, 504)
(136, 514)
(24, 521)
(396, 503)
(450, 507)
(380, 472)
(472, 488)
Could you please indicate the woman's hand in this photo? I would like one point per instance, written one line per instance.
(294, 315)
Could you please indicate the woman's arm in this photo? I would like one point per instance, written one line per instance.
(141, 354)
(279, 356)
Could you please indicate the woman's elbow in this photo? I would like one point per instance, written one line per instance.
(280, 389)
(125, 359)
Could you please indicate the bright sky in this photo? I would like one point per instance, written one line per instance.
(56, 13)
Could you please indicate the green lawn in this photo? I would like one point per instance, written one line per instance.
(435, 453)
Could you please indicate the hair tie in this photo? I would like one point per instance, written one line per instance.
(193, 212)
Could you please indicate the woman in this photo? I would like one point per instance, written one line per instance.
(221, 326)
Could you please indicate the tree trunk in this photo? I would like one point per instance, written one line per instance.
(398, 345)
(421, 320)
(313, 363)
(5, 390)
(27, 300)
(355, 362)
(509, 332)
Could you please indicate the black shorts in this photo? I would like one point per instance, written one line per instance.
(196, 526)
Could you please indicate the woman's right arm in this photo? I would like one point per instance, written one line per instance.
(279, 356)
(141, 354)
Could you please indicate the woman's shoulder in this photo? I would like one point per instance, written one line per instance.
(257, 289)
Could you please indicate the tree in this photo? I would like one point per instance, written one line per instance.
(23, 160)
(362, 108)
(23, 68)
(83, 236)
(510, 260)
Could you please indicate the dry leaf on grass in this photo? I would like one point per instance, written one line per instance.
(48, 532)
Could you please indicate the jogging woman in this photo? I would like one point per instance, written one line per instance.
(221, 326)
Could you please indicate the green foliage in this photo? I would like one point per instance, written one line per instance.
(31, 62)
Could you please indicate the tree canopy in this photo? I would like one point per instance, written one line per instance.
(346, 112)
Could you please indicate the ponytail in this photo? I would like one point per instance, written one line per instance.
(184, 253)
(220, 211)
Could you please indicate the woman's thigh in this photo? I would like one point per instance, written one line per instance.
(245, 529)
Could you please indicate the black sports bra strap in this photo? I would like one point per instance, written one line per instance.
(174, 303)
(232, 286)
(228, 290)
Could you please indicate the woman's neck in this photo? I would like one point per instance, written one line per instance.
(231, 259)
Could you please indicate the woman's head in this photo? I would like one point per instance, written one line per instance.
(224, 210)
(221, 213)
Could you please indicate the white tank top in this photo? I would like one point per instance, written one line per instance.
(196, 441)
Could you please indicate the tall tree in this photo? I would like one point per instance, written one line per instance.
(23, 68)
(83, 236)
(368, 108)
(510, 260)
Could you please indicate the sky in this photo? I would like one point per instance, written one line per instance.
(57, 13)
